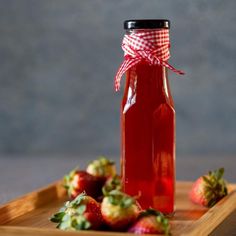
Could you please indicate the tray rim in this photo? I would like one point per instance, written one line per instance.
(219, 211)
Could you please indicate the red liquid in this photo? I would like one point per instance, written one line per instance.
(148, 138)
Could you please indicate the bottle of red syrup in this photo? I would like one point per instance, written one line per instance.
(147, 115)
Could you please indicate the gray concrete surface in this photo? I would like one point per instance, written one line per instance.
(58, 59)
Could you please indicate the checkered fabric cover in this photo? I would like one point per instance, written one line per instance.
(151, 46)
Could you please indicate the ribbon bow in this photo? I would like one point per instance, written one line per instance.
(151, 46)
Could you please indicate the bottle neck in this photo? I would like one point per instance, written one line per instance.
(148, 84)
(151, 81)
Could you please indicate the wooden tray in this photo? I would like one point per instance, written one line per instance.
(28, 215)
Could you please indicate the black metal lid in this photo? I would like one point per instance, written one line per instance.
(147, 24)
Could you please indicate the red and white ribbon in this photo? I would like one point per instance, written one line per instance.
(151, 46)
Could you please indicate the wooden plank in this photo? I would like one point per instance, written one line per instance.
(27, 231)
(228, 226)
(30, 202)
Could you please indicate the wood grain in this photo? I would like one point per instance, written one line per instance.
(30, 202)
(213, 217)
(29, 215)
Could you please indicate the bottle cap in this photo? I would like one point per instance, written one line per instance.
(147, 24)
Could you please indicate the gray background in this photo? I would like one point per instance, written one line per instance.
(57, 63)
(58, 59)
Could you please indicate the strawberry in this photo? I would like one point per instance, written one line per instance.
(83, 212)
(119, 210)
(207, 190)
(78, 181)
(112, 183)
(102, 167)
(151, 222)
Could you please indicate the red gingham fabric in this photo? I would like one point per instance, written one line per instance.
(151, 46)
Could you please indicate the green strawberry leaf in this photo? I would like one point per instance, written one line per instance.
(116, 197)
(56, 218)
(104, 161)
(112, 184)
(77, 201)
(215, 187)
(150, 211)
(209, 195)
(126, 202)
(212, 202)
(65, 225)
(82, 223)
(81, 209)
(219, 173)
(164, 222)
(67, 181)
(225, 191)
(99, 166)
(70, 216)
(207, 180)
(66, 217)
(113, 200)
(62, 209)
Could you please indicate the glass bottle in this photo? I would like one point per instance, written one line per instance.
(148, 130)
